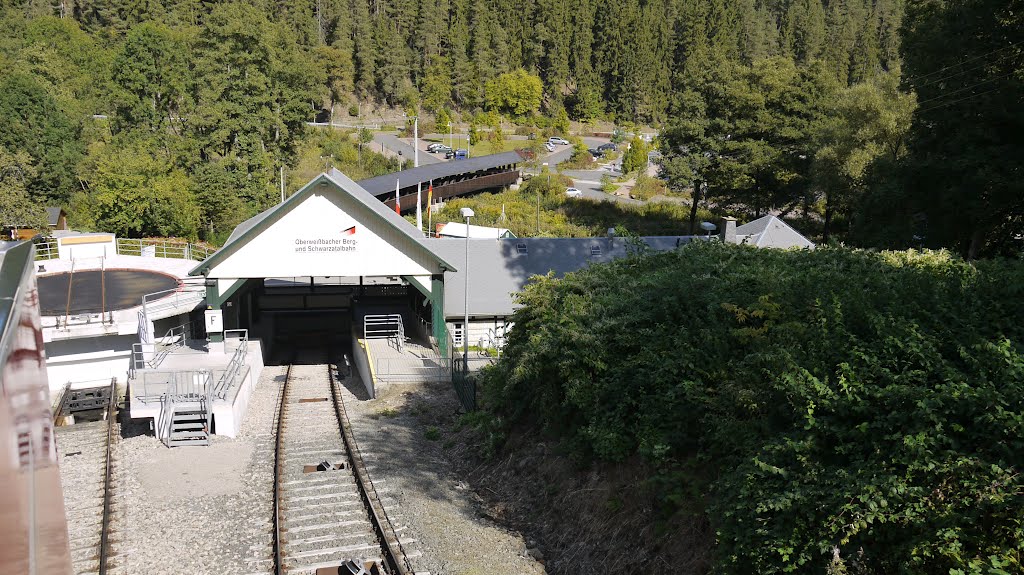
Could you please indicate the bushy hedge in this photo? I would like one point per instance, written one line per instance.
(833, 411)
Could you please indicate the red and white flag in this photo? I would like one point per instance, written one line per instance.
(398, 204)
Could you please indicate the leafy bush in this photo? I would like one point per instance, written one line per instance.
(647, 187)
(831, 410)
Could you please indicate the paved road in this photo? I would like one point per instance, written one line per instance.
(588, 181)
(398, 147)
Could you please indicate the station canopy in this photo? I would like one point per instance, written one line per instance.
(331, 227)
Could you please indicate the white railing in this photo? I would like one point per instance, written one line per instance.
(150, 386)
(46, 250)
(340, 125)
(179, 298)
(236, 366)
(388, 326)
(230, 377)
(150, 355)
(157, 248)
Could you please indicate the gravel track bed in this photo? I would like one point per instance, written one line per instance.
(81, 455)
(197, 510)
(439, 520)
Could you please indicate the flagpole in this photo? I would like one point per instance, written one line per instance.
(419, 210)
(430, 211)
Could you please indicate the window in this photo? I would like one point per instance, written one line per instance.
(457, 334)
(522, 249)
(595, 250)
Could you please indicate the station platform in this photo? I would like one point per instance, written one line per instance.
(230, 376)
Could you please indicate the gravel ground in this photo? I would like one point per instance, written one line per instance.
(194, 510)
(207, 510)
(441, 523)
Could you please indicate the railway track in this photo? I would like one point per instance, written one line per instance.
(88, 465)
(327, 513)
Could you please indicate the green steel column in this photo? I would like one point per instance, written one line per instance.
(213, 301)
(437, 308)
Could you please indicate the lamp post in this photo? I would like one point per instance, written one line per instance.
(544, 167)
(416, 164)
(451, 142)
(466, 213)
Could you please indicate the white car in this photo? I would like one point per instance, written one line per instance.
(549, 147)
(558, 141)
(573, 193)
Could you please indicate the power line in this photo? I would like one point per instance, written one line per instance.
(943, 105)
(961, 72)
(943, 69)
(971, 87)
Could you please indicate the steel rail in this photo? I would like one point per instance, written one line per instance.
(391, 547)
(107, 479)
(278, 563)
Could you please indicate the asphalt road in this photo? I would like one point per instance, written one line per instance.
(587, 181)
(406, 151)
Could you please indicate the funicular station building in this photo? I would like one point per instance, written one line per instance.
(332, 268)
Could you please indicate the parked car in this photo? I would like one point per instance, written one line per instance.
(459, 154)
(596, 152)
(573, 193)
(442, 149)
(549, 147)
(433, 148)
(607, 147)
(558, 141)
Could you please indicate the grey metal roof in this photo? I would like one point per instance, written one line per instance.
(261, 221)
(382, 185)
(53, 215)
(771, 232)
(499, 268)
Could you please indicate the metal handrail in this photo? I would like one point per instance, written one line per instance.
(163, 249)
(385, 326)
(227, 379)
(170, 341)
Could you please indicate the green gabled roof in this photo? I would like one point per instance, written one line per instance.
(257, 224)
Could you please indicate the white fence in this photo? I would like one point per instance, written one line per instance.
(156, 248)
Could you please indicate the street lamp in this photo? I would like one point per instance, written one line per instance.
(451, 141)
(416, 164)
(544, 168)
(466, 213)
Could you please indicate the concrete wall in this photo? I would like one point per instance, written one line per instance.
(361, 362)
(86, 246)
(228, 418)
(86, 359)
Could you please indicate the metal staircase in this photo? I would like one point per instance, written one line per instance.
(184, 417)
(190, 424)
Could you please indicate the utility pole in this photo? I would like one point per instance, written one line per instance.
(282, 184)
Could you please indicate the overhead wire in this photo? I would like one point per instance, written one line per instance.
(965, 88)
(950, 103)
(961, 63)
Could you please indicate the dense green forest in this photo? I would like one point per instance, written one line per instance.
(834, 411)
(884, 122)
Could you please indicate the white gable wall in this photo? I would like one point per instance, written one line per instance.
(326, 234)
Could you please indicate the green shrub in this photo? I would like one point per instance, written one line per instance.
(432, 433)
(647, 187)
(814, 402)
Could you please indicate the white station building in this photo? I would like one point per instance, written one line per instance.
(330, 267)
